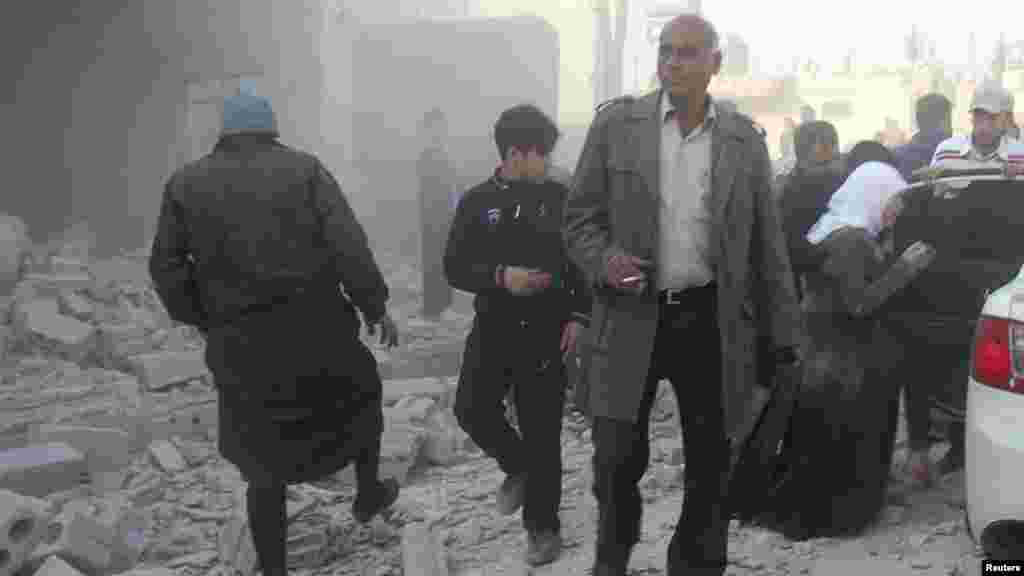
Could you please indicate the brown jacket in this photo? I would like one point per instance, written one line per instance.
(613, 207)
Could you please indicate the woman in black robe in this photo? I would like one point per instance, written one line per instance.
(835, 461)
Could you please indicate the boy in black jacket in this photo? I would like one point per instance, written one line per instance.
(505, 246)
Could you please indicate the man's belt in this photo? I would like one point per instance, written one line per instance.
(676, 296)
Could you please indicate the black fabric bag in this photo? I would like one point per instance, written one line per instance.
(754, 476)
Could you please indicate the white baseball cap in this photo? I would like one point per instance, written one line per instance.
(992, 98)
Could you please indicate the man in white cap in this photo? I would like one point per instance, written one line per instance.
(988, 145)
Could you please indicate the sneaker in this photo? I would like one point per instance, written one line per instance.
(543, 548)
(511, 494)
(367, 506)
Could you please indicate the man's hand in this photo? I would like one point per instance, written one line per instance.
(570, 333)
(388, 331)
(918, 255)
(625, 272)
(525, 281)
(1013, 170)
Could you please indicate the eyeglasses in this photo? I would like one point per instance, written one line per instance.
(677, 54)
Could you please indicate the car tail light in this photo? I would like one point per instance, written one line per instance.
(998, 355)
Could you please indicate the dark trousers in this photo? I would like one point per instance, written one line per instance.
(498, 355)
(916, 395)
(687, 352)
(266, 506)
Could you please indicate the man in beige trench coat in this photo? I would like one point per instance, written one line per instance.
(673, 220)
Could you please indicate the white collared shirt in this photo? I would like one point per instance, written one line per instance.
(684, 215)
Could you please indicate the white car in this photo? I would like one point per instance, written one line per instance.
(994, 471)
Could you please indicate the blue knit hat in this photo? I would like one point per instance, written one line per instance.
(247, 113)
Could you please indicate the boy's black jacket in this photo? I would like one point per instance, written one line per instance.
(514, 223)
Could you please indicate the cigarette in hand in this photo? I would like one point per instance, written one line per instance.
(632, 279)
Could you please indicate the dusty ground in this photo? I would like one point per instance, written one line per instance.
(189, 508)
(927, 537)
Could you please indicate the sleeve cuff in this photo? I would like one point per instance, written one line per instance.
(580, 317)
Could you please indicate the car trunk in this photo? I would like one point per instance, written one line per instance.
(973, 230)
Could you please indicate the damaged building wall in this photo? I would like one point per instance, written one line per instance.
(97, 105)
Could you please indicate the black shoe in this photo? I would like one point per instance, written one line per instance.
(607, 570)
(543, 547)
(383, 496)
(511, 494)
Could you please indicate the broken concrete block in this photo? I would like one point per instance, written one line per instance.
(131, 314)
(152, 572)
(129, 526)
(82, 542)
(54, 566)
(236, 546)
(395, 390)
(422, 551)
(442, 439)
(23, 525)
(297, 506)
(167, 456)
(113, 332)
(43, 469)
(440, 447)
(75, 305)
(41, 319)
(414, 408)
(306, 548)
(105, 449)
(53, 284)
(158, 371)
(119, 271)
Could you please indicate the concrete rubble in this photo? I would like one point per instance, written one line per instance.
(108, 461)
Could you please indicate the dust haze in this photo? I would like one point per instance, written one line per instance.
(105, 103)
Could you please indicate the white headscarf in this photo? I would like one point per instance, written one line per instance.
(859, 202)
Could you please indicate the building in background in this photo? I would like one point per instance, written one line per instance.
(109, 98)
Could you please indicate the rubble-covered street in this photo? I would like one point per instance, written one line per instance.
(109, 462)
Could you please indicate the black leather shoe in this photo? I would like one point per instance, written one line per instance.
(543, 547)
(607, 570)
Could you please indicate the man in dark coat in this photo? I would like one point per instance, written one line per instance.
(437, 183)
(806, 192)
(253, 243)
(934, 115)
(935, 125)
(673, 219)
(506, 248)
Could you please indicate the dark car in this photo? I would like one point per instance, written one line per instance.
(974, 219)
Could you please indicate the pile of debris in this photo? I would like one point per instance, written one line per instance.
(107, 437)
